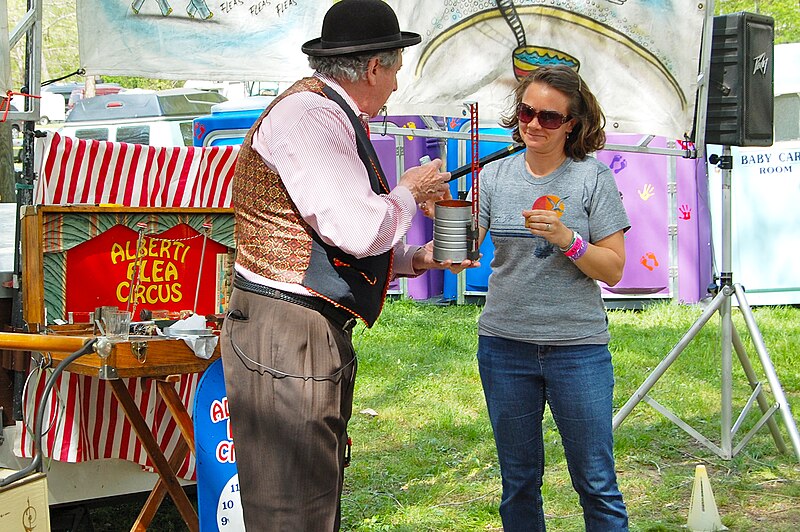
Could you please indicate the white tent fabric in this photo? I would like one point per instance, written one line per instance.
(5, 57)
(198, 39)
(640, 58)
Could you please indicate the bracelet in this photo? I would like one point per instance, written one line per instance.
(578, 248)
(571, 243)
(577, 240)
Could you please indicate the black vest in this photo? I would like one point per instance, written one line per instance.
(357, 284)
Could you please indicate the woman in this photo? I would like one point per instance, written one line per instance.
(557, 223)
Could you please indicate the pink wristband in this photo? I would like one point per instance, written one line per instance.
(581, 250)
(578, 248)
(577, 240)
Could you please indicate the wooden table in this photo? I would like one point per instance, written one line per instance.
(163, 360)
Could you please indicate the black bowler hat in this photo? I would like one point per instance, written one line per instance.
(353, 26)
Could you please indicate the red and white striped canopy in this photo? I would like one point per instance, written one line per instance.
(76, 171)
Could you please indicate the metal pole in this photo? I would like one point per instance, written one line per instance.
(672, 209)
(25, 180)
(769, 370)
(662, 367)
(761, 398)
(726, 280)
(399, 168)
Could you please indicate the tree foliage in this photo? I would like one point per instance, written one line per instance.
(786, 14)
(59, 40)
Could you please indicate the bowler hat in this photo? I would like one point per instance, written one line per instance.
(353, 26)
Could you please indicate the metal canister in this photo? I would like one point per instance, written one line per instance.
(454, 231)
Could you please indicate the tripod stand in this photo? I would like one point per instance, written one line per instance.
(730, 341)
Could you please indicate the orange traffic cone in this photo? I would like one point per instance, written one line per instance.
(703, 513)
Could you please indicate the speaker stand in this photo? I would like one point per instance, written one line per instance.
(730, 342)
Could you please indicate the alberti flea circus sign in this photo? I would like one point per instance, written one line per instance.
(166, 271)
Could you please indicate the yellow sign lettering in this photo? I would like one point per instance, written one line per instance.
(117, 253)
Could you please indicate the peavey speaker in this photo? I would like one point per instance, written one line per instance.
(740, 88)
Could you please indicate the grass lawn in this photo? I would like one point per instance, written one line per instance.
(427, 461)
(424, 457)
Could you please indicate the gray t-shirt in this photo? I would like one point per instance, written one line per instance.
(536, 294)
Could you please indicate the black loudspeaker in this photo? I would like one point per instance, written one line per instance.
(740, 108)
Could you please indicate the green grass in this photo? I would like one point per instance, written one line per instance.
(426, 461)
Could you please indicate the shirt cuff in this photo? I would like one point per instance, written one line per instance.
(403, 260)
(405, 196)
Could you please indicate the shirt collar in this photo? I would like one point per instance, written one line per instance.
(343, 93)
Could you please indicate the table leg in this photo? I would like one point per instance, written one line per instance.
(153, 450)
(167, 390)
(156, 496)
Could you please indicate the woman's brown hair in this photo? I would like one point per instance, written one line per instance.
(587, 136)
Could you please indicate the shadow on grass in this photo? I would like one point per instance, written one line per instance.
(118, 514)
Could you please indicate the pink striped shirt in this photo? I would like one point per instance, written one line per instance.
(310, 142)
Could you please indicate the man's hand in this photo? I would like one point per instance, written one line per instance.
(428, 208)
(426, 182)
(423, 260)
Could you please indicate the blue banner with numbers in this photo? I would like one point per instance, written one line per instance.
(218, 500)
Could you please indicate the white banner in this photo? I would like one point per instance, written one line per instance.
(639, 57)
(236, 40)
(764, 191)
(5, 57)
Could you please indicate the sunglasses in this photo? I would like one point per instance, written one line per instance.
(547, 119)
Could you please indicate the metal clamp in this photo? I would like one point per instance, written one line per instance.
(103, 347)
(139, 350)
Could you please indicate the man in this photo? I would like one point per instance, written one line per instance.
(318, 236)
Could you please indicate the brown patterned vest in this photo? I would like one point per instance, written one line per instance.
(272, 240)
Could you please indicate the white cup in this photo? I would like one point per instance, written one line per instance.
(117, 324)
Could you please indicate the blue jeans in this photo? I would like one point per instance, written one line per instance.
(577, 382)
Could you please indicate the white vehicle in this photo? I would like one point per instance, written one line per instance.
(51, 107)
(238, 90)
(162, 118)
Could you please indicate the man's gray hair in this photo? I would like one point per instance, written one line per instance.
(352, 67)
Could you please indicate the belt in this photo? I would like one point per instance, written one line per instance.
(339, 317)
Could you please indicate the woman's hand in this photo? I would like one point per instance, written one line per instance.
(603, 260)
(547, 224)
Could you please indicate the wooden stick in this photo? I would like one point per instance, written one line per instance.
(41, 342)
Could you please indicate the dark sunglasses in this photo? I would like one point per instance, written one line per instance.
(547, 119)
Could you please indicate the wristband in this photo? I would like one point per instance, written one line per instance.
(577, 241)
(577, 249)
(578, 254)
(571, 243)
